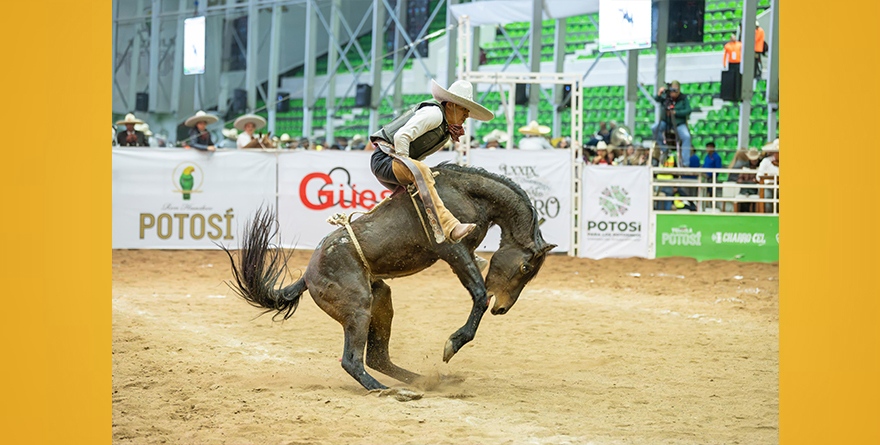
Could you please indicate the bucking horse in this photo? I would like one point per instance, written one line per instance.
(393, 243)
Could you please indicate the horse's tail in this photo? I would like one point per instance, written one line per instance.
(261, 268)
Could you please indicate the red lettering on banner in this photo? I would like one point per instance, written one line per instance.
(326, 199)
(327, 195)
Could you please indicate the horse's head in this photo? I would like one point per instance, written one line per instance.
(510, 269)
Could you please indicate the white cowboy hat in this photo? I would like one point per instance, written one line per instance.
(357, 138)
(143, 128)
(753, 154)
(534, 129)
(129, 119)
(258, 121)
(230, 133)
(285, 138)
(199, 117)
(461, 93)
(601, 145)
(771, 147)
(496, 135)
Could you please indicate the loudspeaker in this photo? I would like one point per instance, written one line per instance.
(239, 101)
(283, 104)
(142, 102)
(522, 94)
(363, 96)
(731, 83)
(566, 93)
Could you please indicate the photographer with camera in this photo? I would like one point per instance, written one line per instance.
(678, 109)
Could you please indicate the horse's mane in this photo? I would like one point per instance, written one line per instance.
(504, 180)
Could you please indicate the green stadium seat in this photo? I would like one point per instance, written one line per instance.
(707, 101)
(728, 15)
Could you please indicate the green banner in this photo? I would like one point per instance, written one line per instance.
(724, 237)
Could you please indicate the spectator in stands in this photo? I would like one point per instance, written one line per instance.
(600, 135)
(284, 141)
(304, 143)
(564, 142)
(628, 156)
(229, 136)
(145, 129)
(665, 190)
(678, 108)
(753, 159)
(760, 48)
(732, 53)
(114, 143)
(642, 156)
(131, 137)
(712, 160)
(768, 169)
(247, 124)
(357, 142)
(199, 137)
(601, 157)
(341, 143)
(534, 137)
(496, 139)
(319, 144)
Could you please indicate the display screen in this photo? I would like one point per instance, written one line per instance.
(624, 24)
(194, 45)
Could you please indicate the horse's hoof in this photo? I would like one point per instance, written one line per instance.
(448, 351)
(399, 394)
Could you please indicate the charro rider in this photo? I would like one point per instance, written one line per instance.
(425, 128)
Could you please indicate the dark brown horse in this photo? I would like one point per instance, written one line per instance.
(395, 245)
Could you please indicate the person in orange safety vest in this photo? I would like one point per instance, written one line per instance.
(732, 51)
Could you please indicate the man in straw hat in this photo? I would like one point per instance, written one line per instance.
(534, 137)
(199, 138)
(495, 139)
(131, 137)
(424, 129)
(248, 124)
(229, 137)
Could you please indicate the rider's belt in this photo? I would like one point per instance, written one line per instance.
(430, 142)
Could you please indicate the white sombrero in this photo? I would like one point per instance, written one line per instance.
(357, 138)
(244, 119)
(601, 145)
(753, 154)
(461, 93)
(199, 117)
(285, 138)
(129, 119)
(496, 135)
(771, 147)
(143, 128)
(534, 129)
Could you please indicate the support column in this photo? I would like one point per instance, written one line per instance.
(332, 57)
(748, 70)
(309, 67)
(199, 79)
(631, 92)
(253, 37)
(773, 71)
(475, 48)
(535, 57)
(662, 37)
(559, 90)
(376, 54)
(135, 60)
(399, 43)
(154, 54)
(177, 74)
(451, 44)
(223, 95)
(274, 56)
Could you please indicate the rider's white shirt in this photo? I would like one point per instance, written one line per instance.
(424, 120)
(243, 139)
(534, 143)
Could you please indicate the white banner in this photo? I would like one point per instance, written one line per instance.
(187, 199)
(616, 207)
(314, 185)
(545, 175)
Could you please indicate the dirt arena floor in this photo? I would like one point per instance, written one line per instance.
(684, 353)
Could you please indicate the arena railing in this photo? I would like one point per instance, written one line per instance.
(768, 189)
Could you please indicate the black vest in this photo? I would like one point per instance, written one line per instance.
(429, 143)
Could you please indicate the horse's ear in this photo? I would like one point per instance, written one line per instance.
(547, 247)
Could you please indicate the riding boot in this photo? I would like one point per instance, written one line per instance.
(448, 222)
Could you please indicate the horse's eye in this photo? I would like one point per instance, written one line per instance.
(525, 268)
